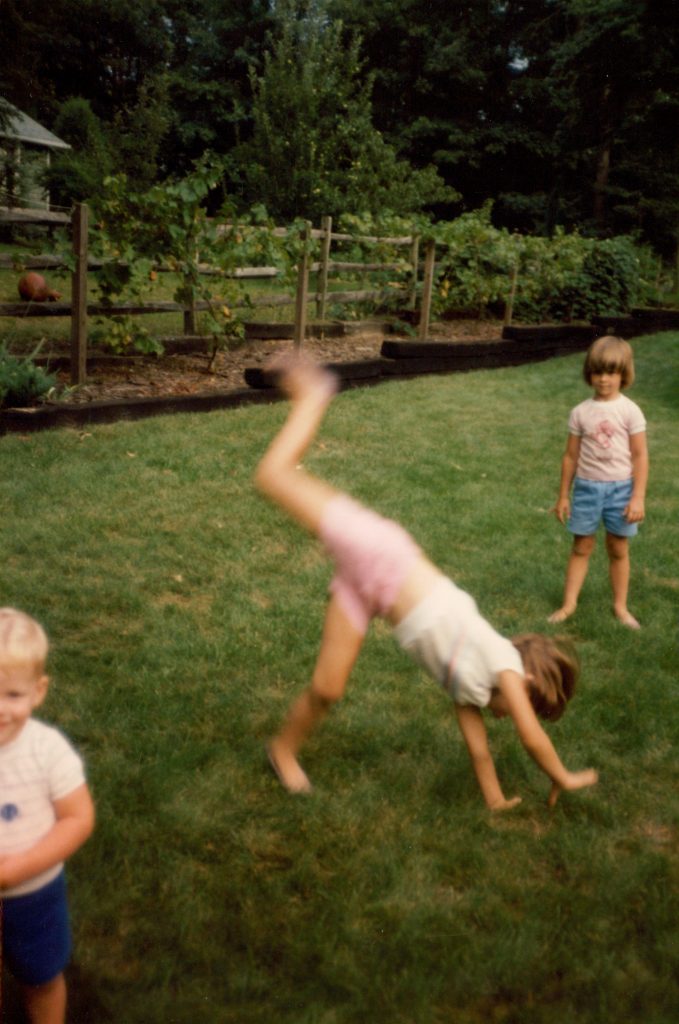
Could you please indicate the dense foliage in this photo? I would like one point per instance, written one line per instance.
(479, 268)
(167, 226)
(314, 148)
(563, 277)
(563, 112)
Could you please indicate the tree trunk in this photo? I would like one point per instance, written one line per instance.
(603, 168)
(603, 165)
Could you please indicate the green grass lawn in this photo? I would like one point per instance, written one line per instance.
(185, 614)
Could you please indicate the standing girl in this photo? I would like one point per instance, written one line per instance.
(606, 456)
(381, 571)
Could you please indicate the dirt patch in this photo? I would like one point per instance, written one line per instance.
(190, 374)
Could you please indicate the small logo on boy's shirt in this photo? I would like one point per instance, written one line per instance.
(8, 812)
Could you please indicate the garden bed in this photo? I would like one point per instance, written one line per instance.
(183, 380)
(188, 381)
(183, 374)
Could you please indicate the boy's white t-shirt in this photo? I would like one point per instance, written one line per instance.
(38, 767)
(604, 429)
(447, 635)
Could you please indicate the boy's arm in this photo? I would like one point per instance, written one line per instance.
(74, 824)
(536, 741)
(569, 463)
(635, 511)
(473, 730)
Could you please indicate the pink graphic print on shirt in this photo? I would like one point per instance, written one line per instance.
(604, 434)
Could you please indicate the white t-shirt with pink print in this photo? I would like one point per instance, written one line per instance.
(605, 429)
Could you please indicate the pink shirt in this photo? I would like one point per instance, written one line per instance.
(605, 429)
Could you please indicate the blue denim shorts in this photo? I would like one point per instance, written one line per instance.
(597, 500)
(36, 936)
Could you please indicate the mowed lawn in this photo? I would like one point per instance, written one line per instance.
(185, 613)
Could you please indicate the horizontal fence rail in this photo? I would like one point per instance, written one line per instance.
(79, 309)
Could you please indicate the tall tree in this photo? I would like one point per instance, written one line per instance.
(102, 50)
(314, 148)
(598, 78)
(442, 74)
(214, 44)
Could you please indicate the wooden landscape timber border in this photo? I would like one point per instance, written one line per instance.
(79, 310)
(398, 359)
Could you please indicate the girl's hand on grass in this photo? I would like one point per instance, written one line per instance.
(506, 805)
(574, 780)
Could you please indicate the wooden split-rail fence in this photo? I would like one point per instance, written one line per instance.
(79, 310)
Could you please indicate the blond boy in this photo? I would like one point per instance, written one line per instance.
(46, 814)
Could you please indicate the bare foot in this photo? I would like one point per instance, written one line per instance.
(300, 377)
(627, 619)
(561, 615)
(287, 769)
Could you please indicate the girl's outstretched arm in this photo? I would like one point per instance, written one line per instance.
(537, 742)
(473, 730)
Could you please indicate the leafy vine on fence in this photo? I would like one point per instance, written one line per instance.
(167, 227)
(479, 268)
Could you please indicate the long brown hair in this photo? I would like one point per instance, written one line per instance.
(552, 667)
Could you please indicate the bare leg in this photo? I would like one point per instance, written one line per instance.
(46, 1004)
(619, 570)
(576, 573)
(340, 647)
(279, 475)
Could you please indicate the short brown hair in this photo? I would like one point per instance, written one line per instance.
(23, 641)
(610, 354)
(553, 667)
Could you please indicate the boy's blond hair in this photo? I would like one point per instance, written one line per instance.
(23, 641)
(552, 668)
(610, 354)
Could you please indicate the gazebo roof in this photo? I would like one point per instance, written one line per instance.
(22, 128)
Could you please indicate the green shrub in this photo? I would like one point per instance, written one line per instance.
(21, 381)
(565, 277)
(602, 277)
(473, 264)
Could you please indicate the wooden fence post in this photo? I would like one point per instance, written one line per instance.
(414, 261)
(322, 288)
(302, 289)
(427, 285)
(79, 220)
(509, 304)
(190, 313)
(189, 321)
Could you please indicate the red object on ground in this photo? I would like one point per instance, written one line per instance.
(33, 288)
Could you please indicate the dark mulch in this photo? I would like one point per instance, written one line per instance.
(190, 374)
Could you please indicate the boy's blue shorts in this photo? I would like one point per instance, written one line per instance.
(597, 500)
(36, 936)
